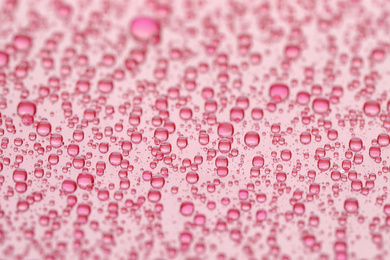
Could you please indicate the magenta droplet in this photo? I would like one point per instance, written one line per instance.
(355, 144)
(351, 205)
(279, 92)
(320, 105)
(22, 42)
(4, 58)
(225, 130)
(43, 128)
(26, 108)
(69, 186)
(252, 139)
(85, 181)
(145, 29)
(187, 208)
(372, 108)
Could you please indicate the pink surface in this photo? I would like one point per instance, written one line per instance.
(194, 129)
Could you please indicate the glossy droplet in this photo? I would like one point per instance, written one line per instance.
(4, 58)
(303, 98)
(182, 142)
(157, 182)
(222, 171)
(154, 196)
(185, 113)
(320, 105)
(69, 186)
(19, 175)
(323, 163)
(333, 134)
(305, 138)
(285, 155)
(56, 140)
(187, 208)
(22, 206)
(115, 158)
(26, 108)
(237, 114)
(144, 28)
(351, 205)
(85, 181)
(258, 161)
(372, 108)
(22, 42)
(378, 55)
(292, 51)
(192, 177)
(43, 128)
(224, 145)
(73, 150)
(279, 92)
(161, 134)
(383, 139)
(105, 86)
(233, 214)
(83, 209)
(225, 130)
(257, 114)
(261, 215)
(386, 209)
(299, 208)
(355, 144)
(252, 139)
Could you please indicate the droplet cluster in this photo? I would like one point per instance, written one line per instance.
(189, 129)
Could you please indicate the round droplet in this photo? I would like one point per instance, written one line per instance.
(299, 208)
(161, 133)
(85, 181)
(355, 144)
(43, 128)
(292, 51)
(320, 105)
(323, 163)
(157, 182)
(257, 113)
(252, 139)
(145, 28)
(233, 214)
(185, 113)
(105, 86)
(279, 92)
(22, 42)
(261, 215)
(237, 114)
(187, 208)
(192, 177)
(285, 155)
(73, 150)
(4, 58)
(69, 186)
(351, 205)
(115, 158)
(26, 108)
(56, 140)
(383, 139)
(303, 98)
(305, 138)
(154, 196)
(19, 175)
(225, 130)
(372, 108)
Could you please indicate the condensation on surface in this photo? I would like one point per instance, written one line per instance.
(194, 129)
